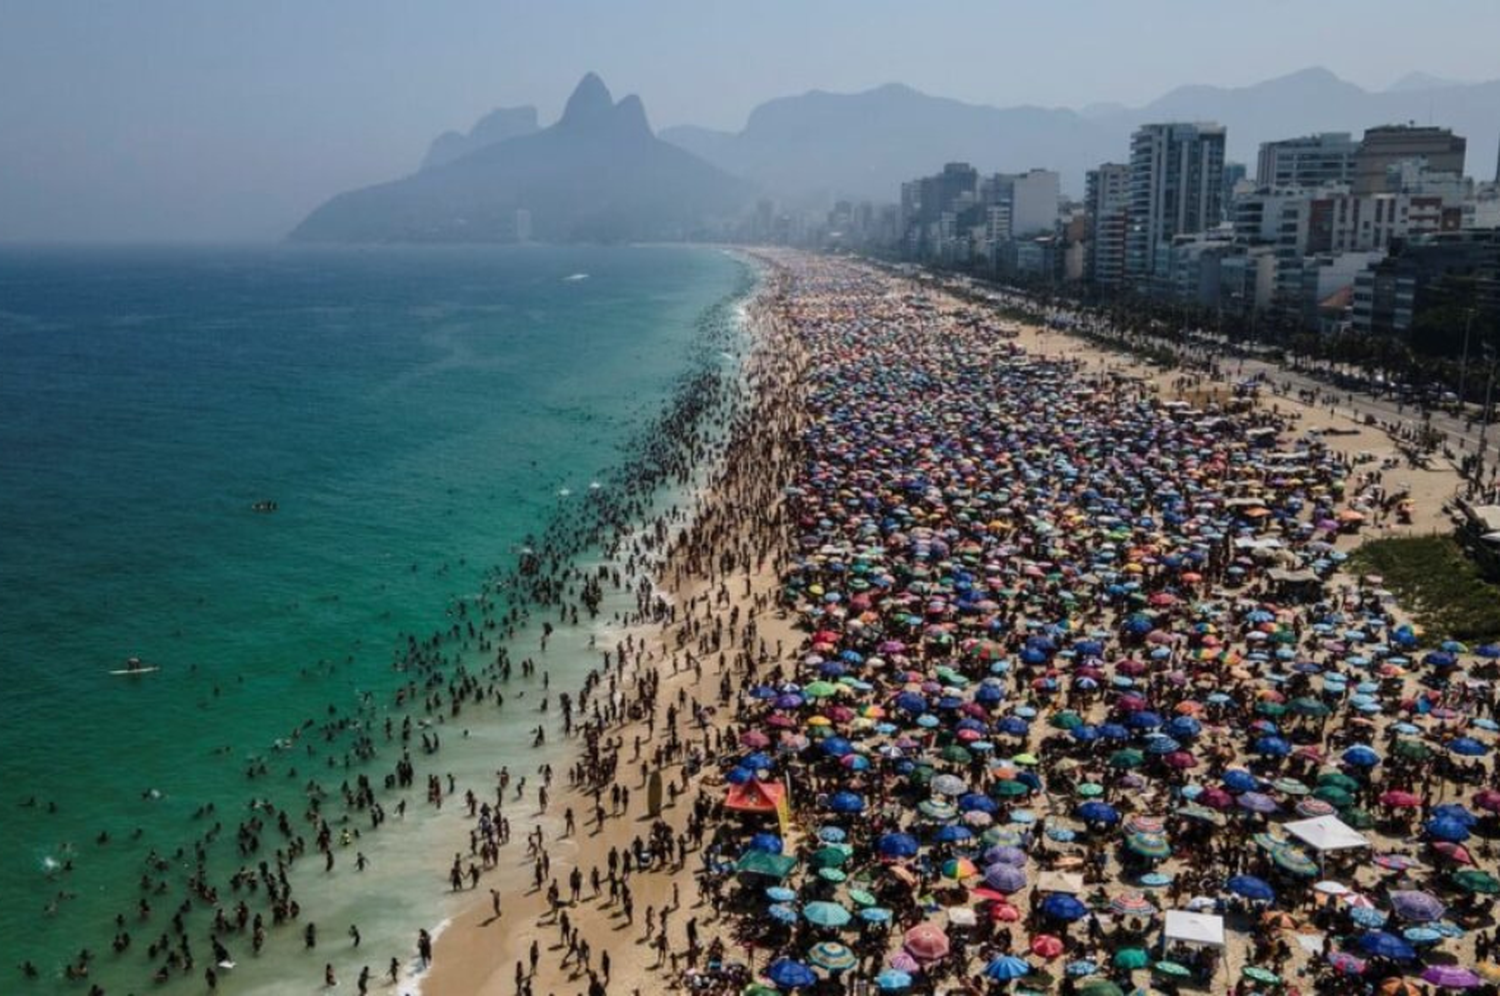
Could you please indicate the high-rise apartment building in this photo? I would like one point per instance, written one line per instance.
(1107, 204)
(1310, 161)
(1176, 188)
(1383, 147)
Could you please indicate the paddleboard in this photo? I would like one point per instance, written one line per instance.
(136, 670)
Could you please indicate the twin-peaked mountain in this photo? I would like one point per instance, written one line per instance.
(598, 174)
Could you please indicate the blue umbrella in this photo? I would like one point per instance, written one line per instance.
(1447, 829)
(896, 845)
(739, 776)
(890, 979)
(1007, 967)
(1251, 888)
(1061, 906)
(1081, 967)
(1084, 734)
(757, 760)
(1114, 731)
(1368, 917)
(977, 801)
(1467, 747)
(1455, 811)
(911, 702)
(1361, 756)
(1380, 944)
(953, 833)
(780, 894)
(1272, 747)
(768, 842)
(1013, 726)
(789, 974)
(1098, 812)
(782, 913)
(1143, 720)
(1184, 727)
(1236, 781)
(837, 747)
(875, 914)
(846, 802)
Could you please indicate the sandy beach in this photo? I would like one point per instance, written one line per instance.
(752, 648)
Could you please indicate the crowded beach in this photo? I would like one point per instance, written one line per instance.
(994, 664)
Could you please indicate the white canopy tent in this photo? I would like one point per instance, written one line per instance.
(1327, 833)
(1194, 928)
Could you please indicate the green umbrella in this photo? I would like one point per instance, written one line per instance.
(759, 989)
(1359, 819)
(1334, 796)
(956, 754)
(1290, 786)
(1292, 860)
(831, 875)
(1131, 959)
(1308, 706)
(1066, 720)
(1008, 789)
(826, 914)
(1149, 845)
(832, 856)
(1091, 790)
(1261, 975)
(1338, 779)
(1270, 708)
(776, 866)
(1127, 759)
(1476, 881)
(820, 690)
(862, 898)
(1172, 968)
(1099, 987)
(1414, 749)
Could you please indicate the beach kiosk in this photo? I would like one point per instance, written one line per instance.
(1326, 833)
(1200, 934)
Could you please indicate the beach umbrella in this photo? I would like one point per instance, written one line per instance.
(890, 980)
(953, 833)
(1456, 853)
(775, 866)
(1368, 917)
(1257, 802)
(825, 914)
(1334, 796)
(1488, 800)
(1009, 788)
(1272, 747)
(1005, 878)
(1046, 946)
(1447, 828)
(1149, 845)
(782, 913)
(1361, 756)
(832, 956)
(780, 894)
(1126, 759)
(846, 802)
(1172, 968)
(832, 856)
(1258, 974)
(1251, 888)
(1400, 799)
(789, 974)
(1099, 987)
(926, 942)
(1417, 907)
(1005, 855)
(1007, 967)
(1130, 959)
(959, 868)
(1098, 812)
(1346, 963)
(896, 845)
(1289, 859)
(1237, 781)
(1451, 977)
(767, 842)
(1477, 882)
(1132, 904)
(875, 914)
(1454, 811)
(1380, 944)
(1061, 906)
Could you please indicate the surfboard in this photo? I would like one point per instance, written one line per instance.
(136, 670)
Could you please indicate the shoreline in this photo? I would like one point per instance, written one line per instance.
(477, 955)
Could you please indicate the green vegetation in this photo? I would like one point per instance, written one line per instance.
(1438, 583)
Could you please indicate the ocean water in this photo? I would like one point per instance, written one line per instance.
(419, 416)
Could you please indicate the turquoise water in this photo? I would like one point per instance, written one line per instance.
(418, 415)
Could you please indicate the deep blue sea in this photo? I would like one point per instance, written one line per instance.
(415, 414)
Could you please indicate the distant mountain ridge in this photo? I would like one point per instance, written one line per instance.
(500, 124)
(821, 145)
(597, 174)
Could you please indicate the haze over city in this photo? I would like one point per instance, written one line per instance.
(184, 121)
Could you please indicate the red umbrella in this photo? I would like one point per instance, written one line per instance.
(926, 942)
(1046, 946)
(1456, 853)
(1399, 799)
(755, 740)
(1216, 798)
(1180, 760)
(1489, 799)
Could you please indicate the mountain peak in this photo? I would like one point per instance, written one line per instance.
(630, 116)
(590, 103)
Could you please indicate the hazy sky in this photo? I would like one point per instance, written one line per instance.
(220, 119)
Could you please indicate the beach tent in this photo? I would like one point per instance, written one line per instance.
(756, 796)
(1194, 928)
(1070, 883)
(1327, 833)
